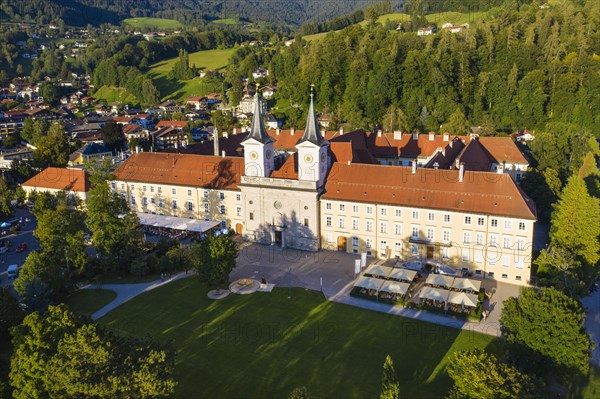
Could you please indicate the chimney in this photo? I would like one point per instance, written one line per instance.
(277, 131)
(137, 149)
(234, 130)
(500, 169)
(216, 143)
(323, 132)
(446, 136)
(225, 134)
(292, 132)
(461, 172)
(431, 136)
(223, 154)
(348, 163)
(415, 136)
(379, 132)
(397, 135)
(414, 166)
(341, 131)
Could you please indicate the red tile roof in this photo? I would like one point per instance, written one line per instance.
(182, 170)
(479, 192)
(503, 149)
(174, 124)
(476, 157)
(65, 179)
(289, 169)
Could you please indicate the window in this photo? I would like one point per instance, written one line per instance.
(113, 185)
(132, 200)
(222, 209)
(368, 243)
(329, 237)
(507, 224)
(518, 176)
(478, 272)
(415, 215)
(493, 240)
(206, 194)
(398, 247)
(383, 211)
(478, 256)
(342, 207)
(189, 193)
(132, 187)
(174, 204)
(328, 221)
(506, 242)
(122, 186)
(355, 208)
(445, 253)
(238, 197)
(430, 233)
(369, 210)
(504, 275)
(251, 216)
(144, 188)
(355, 241)
(383, 246)
(414, 249)
(479, 238)
(518, 278)
(491, 274)
(521, 243)
(328, 205)
(505, 260)
(398, 229)
(431, 216)
(144, 201)
(466, 237)
(414, 232)
(305, 222)
(152, 201)
(341, 222)
(190, 206)
(521, 226)
(206, 207)
(467, 219)
(465, 255)
(221, 196)
(151, 189)
(160, 203)
(354, 224)
(383, 227)
(398, 213)
(446, 218)
(224, 224)
(494, 222)
(173, 191)
(159, 189)
(480, 221)
(238, 211)
(369, 225)
(446, 235)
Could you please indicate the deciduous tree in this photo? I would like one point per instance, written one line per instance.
(390, 387)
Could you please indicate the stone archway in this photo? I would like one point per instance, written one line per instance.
(239, 228)
(341, 243)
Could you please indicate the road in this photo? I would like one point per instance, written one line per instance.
(12, 256)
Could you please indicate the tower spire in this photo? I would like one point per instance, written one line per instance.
(257, 131)
(312, 133)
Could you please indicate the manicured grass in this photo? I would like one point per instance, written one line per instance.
(112, 94)
(226, 21)
(86, 302)
(265, 345)
(207, 59)
(153, 23)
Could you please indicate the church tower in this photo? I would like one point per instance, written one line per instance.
(258, 146)
(313, 150)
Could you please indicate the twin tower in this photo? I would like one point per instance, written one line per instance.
(313, 154)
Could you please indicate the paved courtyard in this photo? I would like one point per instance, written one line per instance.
(293, 268)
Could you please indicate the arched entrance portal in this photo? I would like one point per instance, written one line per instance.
(341, 242)
(239, 228)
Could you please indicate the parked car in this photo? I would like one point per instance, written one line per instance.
(3, 250)
(13, 271)
(22, 247)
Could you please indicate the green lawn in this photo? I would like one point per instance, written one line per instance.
(112, 94)
(153, 23)
(264, 345)
(86, 302)
(206, 59)
(226, 21)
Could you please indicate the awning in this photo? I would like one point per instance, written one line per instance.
(394, 287)
(413, 264)
(402, 274)
(466, 284)
(175, 223)
(435, 294)
(462, 298)
(439, 279)
(369, 283)
(378, 270)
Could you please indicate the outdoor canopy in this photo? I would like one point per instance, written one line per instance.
(466, 284)
(378, 270)
(402, 274)
(369, 283)
(435, 294)
(462, 298)
(394, 287)
(175, 223)
(439, 279)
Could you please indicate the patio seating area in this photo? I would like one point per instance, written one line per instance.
(388, 284)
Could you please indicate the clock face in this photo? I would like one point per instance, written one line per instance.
(277, 205)
(253, 155)
(308, 158)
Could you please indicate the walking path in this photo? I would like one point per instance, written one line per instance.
(127, 291)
